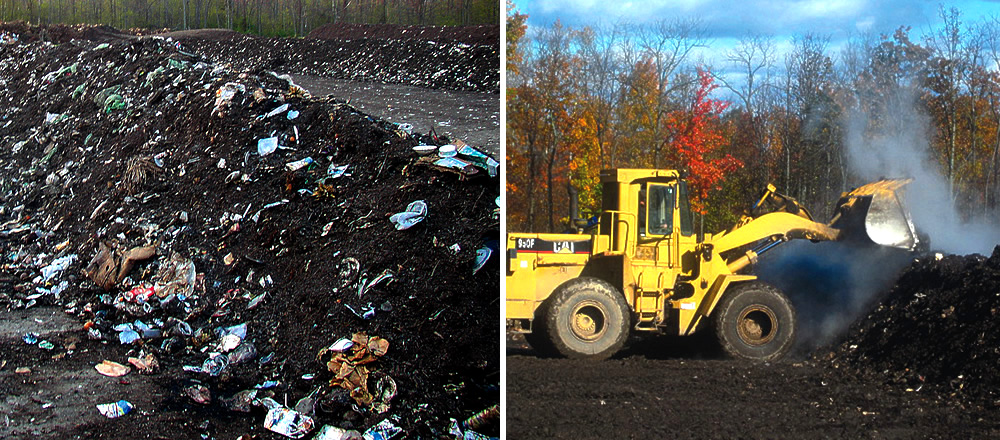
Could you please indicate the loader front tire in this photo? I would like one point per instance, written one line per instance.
(755, 321)
(587, 319)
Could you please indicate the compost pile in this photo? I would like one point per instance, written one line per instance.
(488, 35)
(405, 59)
(225, 225)
(936, 328)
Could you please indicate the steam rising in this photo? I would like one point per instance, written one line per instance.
(898, 148)
(833, 284)
(830, 284)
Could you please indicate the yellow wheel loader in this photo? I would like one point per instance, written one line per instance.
(642, 268)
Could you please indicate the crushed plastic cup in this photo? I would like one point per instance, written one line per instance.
(415, 213)
(115, 410)
(447, 151)
(481, 418)
(267, 145)
(288, 422)
(30, 338)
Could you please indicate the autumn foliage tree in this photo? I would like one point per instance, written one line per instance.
(816, 125)
(697, 140)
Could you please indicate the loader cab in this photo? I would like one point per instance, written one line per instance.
(646, 213)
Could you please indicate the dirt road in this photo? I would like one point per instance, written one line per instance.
(470, 116)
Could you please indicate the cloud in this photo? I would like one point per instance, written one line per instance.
(724, 18)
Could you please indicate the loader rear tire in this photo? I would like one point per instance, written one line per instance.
(755, 321)
(587, 318)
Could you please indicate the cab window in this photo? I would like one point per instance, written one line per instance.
(661, 200)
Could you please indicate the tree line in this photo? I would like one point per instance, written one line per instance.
(261, 17)
(813, 120)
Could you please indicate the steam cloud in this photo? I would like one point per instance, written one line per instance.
(900, 148)
(830, 284)
(833, 284)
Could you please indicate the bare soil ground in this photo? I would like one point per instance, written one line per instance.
(128, 144)
(920, 363)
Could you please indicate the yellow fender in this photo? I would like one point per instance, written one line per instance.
(714, 295)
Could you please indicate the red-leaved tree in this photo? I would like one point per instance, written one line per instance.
(696, 135)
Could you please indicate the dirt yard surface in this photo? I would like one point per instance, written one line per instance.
(472, 117)
(156, 200)
(642, 397)
(921, 363)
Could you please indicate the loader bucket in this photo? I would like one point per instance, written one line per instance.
(876, 213)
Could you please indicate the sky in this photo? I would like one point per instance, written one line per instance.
(733, 19)
(726, 21)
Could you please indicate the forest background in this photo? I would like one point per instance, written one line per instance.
(260, 17)
(813, 120)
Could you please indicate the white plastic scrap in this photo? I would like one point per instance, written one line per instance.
(327, 432)
(267, 145)
(452, 162)
(342, 345)
(281, 109)
(58, 265)
(335, 171)
(415, 212)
